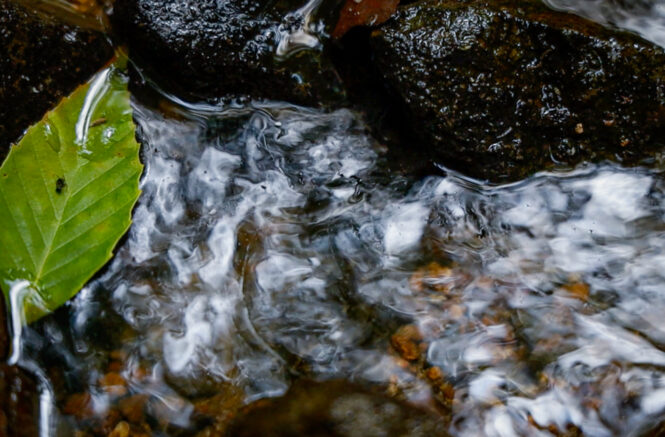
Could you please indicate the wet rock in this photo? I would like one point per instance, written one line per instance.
(218, 410)
(133, 407)
(19, 403)
(500, 90)
(114, 384)
(41, 61)
(205, 49)
(18, 391)
(406, 341)
(121, 430)
(335, 409)
(79, 405)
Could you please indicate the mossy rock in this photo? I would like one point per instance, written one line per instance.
(41, 60)
(500, 90)
(209, 50)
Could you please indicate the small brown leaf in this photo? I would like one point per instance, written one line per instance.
(578, 290)
(363, 13)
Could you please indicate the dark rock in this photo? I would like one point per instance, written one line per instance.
(367, 95)
(501, 90)
(201, 49)
(41, 61)
(19, 403)
(334, 409)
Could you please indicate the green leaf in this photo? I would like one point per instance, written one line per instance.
(67, 190)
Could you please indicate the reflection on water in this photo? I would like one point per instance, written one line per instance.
(273, 243)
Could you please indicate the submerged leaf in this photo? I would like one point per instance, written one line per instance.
(66, 194)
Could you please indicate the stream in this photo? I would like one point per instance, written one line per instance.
(273, 243)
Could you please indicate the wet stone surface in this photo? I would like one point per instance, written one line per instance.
(237, 49)
(500, 92)
(19, 402)
(42, 61)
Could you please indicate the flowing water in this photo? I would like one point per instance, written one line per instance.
(274, 242)
(644, 17)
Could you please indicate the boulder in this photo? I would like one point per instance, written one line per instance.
(234, 49)
(41, 61)
(500, 90)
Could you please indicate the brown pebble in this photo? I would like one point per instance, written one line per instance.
(405, 341)
(456, 311)
(114, 384)
(440, 277)
(120, 430)
(434, 373)
(578, 290)
(416, 281)
(448, 391)
(139, 373)
(79, 405)
(579, 128)
(393, 386)
(115, 366)
(118, 355)
(109, 420)
(132, 407)
(433, 277)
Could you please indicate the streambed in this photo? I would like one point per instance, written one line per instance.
(275, 244)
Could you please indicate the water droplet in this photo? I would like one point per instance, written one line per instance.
(52, 135)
